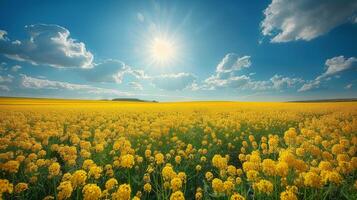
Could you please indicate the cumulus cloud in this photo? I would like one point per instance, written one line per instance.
(107, 71)
(47, 45)
(177, 81)
(232, 62)
(37, 83)
(287, 20)
(227, 76)
(111, 71)
(244, 82)
(334, 66)
(337, 64)
(280, 82)
(6, 79)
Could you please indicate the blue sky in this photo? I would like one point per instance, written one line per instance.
(179, 50)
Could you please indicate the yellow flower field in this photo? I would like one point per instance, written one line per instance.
(72, 149)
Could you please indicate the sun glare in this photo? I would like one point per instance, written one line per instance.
(162, 50)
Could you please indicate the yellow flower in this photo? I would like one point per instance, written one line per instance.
(127, 161)
(168, 172)
(264, 186)
(237, 196)
(176, 184)
(209, 176)
(268, 166)
(123, 192)
(159, 158)
(65, 190)
(178, 159)
(228, 186)
(66, 177)
(231, 170)
(111, 183)
(252, 175)
(87, 164)
(49, 197)
(312, 179)
(238, 180)
(91, 192)
(331, 176)
(12, 166)
(219, 161)
(282, 169)
(289, 193)
(54, 169)
(5, 187)
(178, 195)
(95, 171)
(290, 136)
(20, 187)
(78, 178)
(147, 187)
(217, 185)
(147, 153)
(182, 176)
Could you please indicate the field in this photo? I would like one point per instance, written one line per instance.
(72, 149)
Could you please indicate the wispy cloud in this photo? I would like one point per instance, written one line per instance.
(334, 66)
(6, 78)
(37, 83)
(136, 85)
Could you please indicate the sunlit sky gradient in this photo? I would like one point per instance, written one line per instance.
(212, 50)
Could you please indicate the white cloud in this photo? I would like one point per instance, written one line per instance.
(243, 82)
(334, 66)
(314, 84)
(287, 20)
(48, 45)
(232, 62)
(6, 79)
(15, 68)
(140, 17)
(36, 83)
(111, 71)
(106, 71)
(226, 76)
(136, 86)
(178, 81)
(3, 35)
(337, 64)
(280, 82)
(349, 86)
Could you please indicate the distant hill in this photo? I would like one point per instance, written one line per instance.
(327, 100)
(133, 99)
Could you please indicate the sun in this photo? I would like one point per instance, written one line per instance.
(162, 50)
